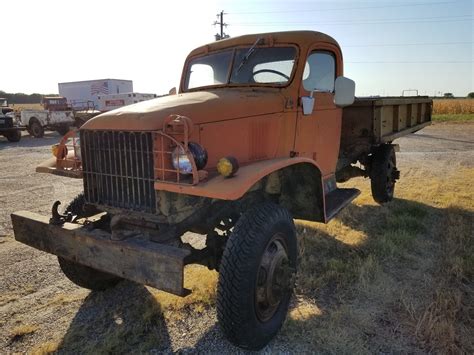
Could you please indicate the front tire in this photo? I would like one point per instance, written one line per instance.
(256, 277)
(14, 136)
(36, 129)
(87, 277)
(81, 275)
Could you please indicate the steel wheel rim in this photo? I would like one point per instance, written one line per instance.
(273, 278)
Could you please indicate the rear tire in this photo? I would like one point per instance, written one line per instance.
(87, 277)
(383, 173)
(14, 136)
(36, 129)
(256, 276)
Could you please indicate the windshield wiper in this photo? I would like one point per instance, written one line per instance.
(247, 55)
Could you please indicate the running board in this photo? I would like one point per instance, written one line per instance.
(337, 199)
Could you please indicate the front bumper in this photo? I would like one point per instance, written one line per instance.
(157, 265)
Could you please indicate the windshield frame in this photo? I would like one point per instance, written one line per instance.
(234, 49)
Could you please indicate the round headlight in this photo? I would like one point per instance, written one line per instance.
(181, 161)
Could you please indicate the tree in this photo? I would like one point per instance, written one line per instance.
(470, 95)
(448, 95)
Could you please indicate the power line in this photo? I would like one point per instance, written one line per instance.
(411, 62)
(346, 8)
(374, 22)
(405, 44)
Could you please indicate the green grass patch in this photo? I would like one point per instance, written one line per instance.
(467, 117)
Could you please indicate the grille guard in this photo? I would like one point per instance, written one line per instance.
(176, 128)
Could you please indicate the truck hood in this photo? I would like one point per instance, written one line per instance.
(200, 107)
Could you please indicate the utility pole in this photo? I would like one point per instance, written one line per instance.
(221, 24)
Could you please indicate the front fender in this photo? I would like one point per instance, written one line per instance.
(219, 187)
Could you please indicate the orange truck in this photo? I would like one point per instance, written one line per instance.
(262, 129)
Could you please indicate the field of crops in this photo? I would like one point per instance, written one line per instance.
(453, 106)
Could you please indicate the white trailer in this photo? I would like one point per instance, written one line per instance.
(113, 101)
(80, 94)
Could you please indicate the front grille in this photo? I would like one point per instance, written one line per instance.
(118, 169)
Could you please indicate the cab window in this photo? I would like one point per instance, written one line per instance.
(320, 72)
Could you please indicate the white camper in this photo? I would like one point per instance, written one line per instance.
(113, 101)
(80, 94)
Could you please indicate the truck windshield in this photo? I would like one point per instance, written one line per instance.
(3, 102)
(265, 65)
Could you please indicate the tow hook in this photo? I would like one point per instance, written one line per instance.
(58, 219)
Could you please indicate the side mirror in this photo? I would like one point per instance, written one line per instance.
(344, 92)
(172, 91)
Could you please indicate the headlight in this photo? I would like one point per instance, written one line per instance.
(181, 161)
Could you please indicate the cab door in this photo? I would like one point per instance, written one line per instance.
(318, 133)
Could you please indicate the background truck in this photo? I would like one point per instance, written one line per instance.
(56, 115)
(262, 130)
(113, 101)
(9, 126)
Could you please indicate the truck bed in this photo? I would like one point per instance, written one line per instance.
(377, 120)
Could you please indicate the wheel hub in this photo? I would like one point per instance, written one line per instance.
(273, 278)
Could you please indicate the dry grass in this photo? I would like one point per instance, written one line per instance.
(48, 347)
(453, 106)
(203, 284)
(19, 332)
(19, 107)
(396, 278)
(453, 118)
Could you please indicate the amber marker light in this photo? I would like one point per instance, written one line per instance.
(227, 166)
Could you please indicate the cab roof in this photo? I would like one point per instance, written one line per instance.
(298, 37)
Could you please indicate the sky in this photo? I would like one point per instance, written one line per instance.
(388, 45)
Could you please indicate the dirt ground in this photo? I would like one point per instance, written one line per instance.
(42, 311)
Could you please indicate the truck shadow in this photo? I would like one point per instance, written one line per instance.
(124, 319)
(128, 319)
(28, 141)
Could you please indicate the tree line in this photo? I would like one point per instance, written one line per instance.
(20, 98)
